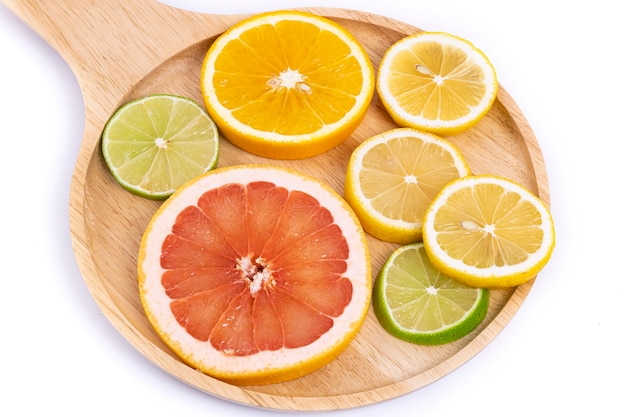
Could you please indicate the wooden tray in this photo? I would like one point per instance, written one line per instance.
(123, 49)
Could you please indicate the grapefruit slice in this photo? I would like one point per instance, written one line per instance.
(255, 274)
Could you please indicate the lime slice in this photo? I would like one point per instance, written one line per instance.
(414, 302)
(155, 144)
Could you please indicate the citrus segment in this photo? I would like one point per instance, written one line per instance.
(287, 84)
(415, 302)
(488, 231)
(255, 274)
(392, 178)
(155, 144)
(437, 82)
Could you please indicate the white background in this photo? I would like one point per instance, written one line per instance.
(563, 353)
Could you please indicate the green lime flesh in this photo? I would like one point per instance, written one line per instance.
(155, 144)
(414, 302)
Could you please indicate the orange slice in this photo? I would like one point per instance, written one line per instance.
(287, 84)
(255, 274)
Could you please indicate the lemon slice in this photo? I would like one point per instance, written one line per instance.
(155, 144)
(415, 302)
(392, 178)
(488, 231)
(287, 84)
(437, 82)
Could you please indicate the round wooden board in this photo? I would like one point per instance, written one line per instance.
(107, 222)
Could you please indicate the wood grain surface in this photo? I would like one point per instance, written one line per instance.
(124, 49)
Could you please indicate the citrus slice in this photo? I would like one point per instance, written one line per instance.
(488, 231)
(392, 178)
(255, 274)
(155, 144)
(415, 302)
(287, 84)
(437, 82)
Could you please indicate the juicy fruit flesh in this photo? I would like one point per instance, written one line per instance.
(499, 228)
(437, 82)
(156, 144)
(417, 303)
(430, 74)
(392, 178)
(400, 177)
(421, 298)
(249, 264)
(288, 89)
(488, 232)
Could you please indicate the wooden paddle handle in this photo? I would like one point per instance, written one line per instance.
(114, 43)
